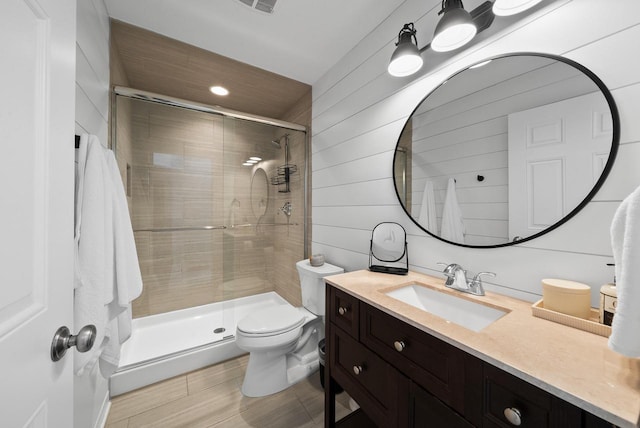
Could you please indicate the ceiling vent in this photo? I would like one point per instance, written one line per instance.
(266, 6)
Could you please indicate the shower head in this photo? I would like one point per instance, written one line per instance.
(276, 142)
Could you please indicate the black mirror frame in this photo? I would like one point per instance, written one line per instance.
(615, 142)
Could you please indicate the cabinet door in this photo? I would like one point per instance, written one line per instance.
(507, 395)
(342, 310)
(426, 411)
(373, 383)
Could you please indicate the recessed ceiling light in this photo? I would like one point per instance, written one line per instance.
(255, 158)
(219, 90)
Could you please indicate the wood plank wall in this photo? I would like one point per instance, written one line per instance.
(359, 111)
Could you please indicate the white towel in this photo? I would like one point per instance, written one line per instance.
(427, 217)
(93, 247)
(107, 272)
(452, 224)
(625, 240)
(128, 280)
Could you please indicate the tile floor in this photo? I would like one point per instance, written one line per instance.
(211, 397)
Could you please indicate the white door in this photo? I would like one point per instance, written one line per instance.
(37, 71)
(557, 152)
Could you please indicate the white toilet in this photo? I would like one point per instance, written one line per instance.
(282, 341)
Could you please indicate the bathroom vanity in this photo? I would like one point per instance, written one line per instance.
(408, 368)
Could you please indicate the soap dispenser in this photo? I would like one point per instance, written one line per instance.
(608, 301)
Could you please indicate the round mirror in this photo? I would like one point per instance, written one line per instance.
(259, 192)
(506, 150)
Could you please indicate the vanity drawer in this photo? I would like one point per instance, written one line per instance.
(425, 410)
(370, 381)
(342, 309)
(428, 361)
(536, 408)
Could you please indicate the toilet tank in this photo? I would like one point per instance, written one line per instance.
(312, 284)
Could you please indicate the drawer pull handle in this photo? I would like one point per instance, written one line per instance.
(357, 370)
(342, 310)
(513, 415)
(399, 345)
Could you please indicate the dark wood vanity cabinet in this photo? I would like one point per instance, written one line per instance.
(403, 377)
(400, 376)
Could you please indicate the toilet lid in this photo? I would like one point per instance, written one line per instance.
(273, 320)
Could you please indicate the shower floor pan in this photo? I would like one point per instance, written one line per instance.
(167, 345)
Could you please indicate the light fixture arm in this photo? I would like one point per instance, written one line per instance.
(450, 4)
(407, 31)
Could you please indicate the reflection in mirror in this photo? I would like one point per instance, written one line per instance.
(525, 141)
(259, 192)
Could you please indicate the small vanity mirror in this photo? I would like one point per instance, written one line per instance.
(507, 149)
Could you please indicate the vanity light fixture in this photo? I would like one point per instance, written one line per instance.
(456, 28)
(511, 7)
(255, 158)
(219, 90)
(406, 59)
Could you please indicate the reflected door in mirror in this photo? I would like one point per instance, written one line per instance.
(556, 154)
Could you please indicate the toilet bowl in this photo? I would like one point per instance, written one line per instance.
(282, 340)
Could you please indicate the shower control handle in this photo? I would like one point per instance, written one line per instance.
(343, 310)
(63, 340)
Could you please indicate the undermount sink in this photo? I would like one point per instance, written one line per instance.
(466, 313)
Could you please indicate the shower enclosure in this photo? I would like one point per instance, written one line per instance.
(217, 202)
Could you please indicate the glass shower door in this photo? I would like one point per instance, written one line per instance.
(173, 158)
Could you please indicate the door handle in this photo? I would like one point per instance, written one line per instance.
(63, 340)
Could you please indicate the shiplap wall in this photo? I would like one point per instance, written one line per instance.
(91, 394)
(92, 69)
(359, 111)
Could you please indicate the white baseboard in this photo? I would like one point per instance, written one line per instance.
(101, 422)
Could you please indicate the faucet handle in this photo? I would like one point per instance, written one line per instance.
(476, 284)
(479, 274)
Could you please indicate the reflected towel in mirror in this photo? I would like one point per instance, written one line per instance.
(427, 216)
(452, 223)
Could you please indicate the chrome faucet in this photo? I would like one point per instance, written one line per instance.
(453, 271)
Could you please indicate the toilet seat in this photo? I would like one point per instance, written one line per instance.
(271, 321)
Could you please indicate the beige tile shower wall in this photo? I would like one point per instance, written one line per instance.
(359, 111)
